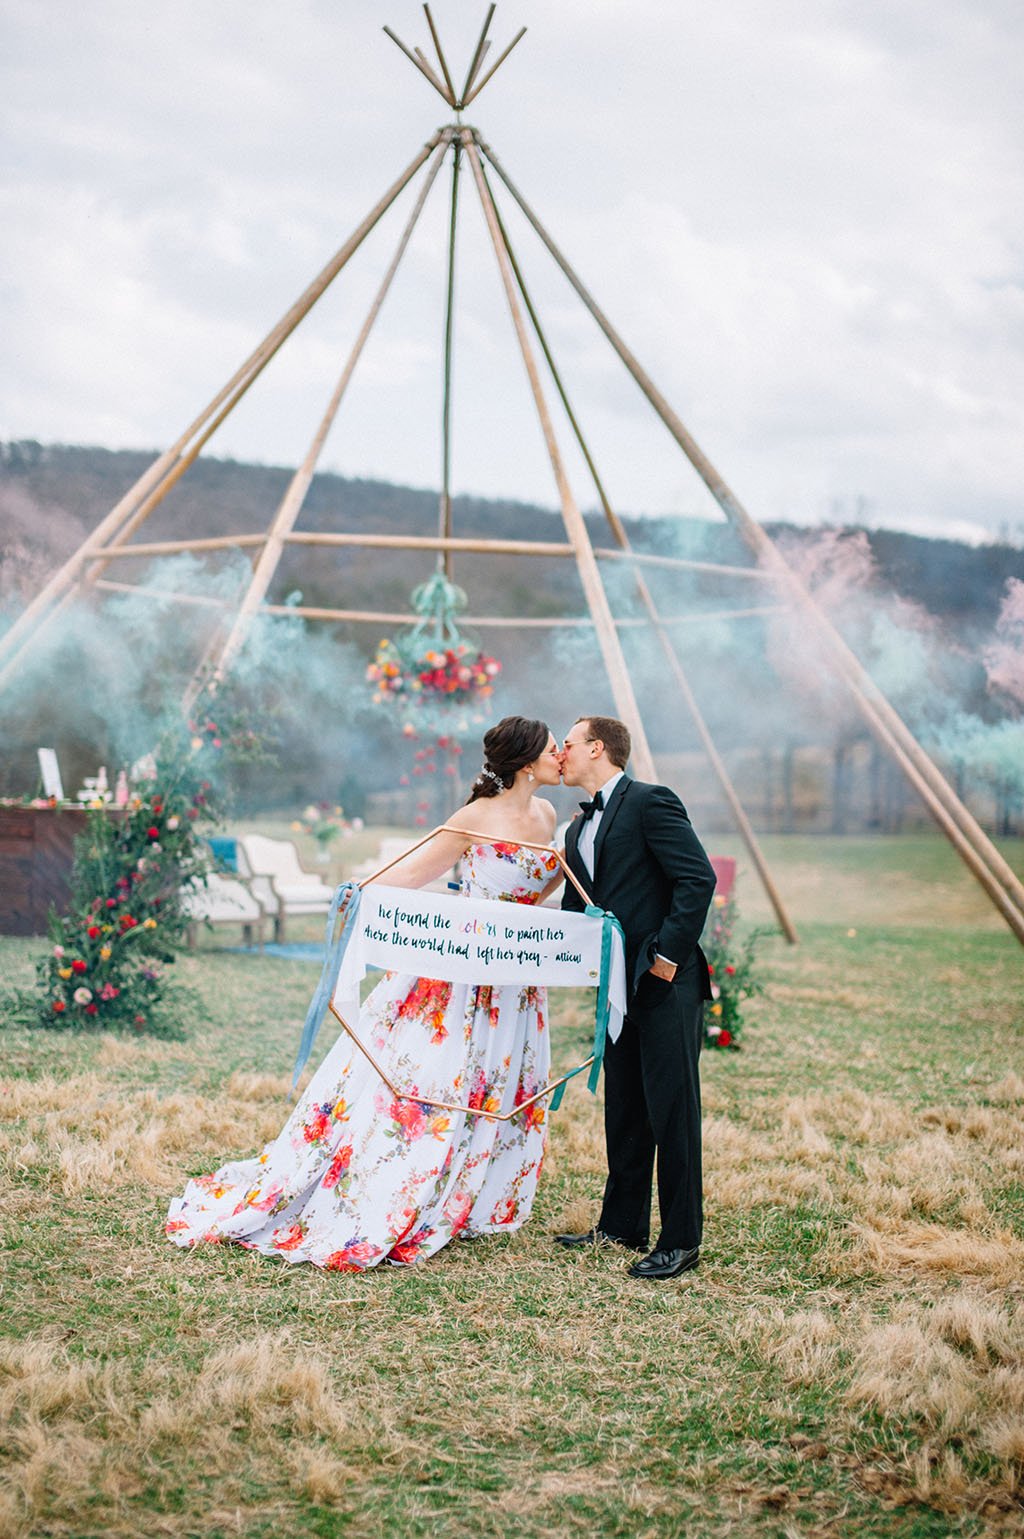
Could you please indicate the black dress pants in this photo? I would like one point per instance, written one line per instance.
(652, 1112)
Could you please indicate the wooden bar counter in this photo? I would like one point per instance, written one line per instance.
(35, 864)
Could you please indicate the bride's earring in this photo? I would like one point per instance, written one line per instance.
(530, 775)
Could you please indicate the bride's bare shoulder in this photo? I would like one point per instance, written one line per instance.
(475, 818)
(547, 813)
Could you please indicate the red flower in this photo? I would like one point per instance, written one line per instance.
(711, 970)
(59, 1006)
(193, 812)
(78, 966)
(127, 922)
(724, 1037)
(91, 1009)
(407, 1250)
(93, 931)
(410, 1116)
(730, 971)
(290, 1237)
(317, 1127)
(111, 902)
(338, 1167)
(153, 833)
(505, 1211)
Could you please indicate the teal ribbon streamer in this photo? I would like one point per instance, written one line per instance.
(335, 946)
(602, 1011)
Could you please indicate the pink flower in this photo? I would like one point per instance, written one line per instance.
(352, 1257)
(266, 1202)
(457, 1210)
(58, 951)
(108, 991)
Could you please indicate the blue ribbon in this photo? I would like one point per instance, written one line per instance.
(335, 947)
(602, 1011)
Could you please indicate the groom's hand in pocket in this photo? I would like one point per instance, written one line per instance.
(662, 968)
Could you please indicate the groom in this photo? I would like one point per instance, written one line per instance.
(635, 851)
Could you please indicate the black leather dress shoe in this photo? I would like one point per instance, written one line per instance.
(665, 1263)
(594, 1237)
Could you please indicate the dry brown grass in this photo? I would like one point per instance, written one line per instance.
(847, 1361)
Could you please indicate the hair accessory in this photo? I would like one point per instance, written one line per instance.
(488, 774)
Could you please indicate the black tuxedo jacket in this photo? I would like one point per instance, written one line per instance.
(651, 872)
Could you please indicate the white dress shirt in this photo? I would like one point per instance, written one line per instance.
(588, 837)
(588, 833)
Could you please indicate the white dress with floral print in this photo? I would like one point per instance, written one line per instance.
(356, 1177)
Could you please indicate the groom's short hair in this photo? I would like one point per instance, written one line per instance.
(614, 734)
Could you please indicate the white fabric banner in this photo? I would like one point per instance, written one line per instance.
(478, 940)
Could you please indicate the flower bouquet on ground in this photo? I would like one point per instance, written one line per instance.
(325, 823)
(731, 964)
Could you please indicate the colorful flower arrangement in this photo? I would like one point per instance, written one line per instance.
(454, 674)
(731, 965)
(133, 869)
(326, 823)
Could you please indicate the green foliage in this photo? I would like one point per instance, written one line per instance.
(731, 963)
(134, 869)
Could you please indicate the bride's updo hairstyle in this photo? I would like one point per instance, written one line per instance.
(510, 746)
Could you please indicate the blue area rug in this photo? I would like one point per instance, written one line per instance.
(296, 951)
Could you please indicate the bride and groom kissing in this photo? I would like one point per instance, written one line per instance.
(357, 1176)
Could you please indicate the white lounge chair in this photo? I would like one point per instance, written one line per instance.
(278, 881)
(223, 900)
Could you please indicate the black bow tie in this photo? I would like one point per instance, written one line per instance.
(589, 808)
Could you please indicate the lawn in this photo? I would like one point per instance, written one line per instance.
(847, 1361)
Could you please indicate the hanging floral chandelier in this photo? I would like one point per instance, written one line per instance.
(430, 665)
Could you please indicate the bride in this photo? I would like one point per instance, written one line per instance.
(355, 1176)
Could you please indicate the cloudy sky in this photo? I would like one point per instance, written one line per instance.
(806, 217)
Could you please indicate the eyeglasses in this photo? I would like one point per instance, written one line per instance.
(578, 743)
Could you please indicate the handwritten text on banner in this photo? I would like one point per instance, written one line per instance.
(478, 941)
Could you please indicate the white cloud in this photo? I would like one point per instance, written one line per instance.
(804, 216)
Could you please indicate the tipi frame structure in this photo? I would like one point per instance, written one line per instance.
(113, 538)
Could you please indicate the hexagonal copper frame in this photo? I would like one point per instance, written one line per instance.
(402, 1095)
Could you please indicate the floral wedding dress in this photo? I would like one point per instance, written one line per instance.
(356, 1176)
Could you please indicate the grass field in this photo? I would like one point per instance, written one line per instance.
(847, 1361)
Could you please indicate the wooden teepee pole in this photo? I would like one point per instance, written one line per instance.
(157, 480)
(576, 529)
(955, 820)
(647, 600)
(295, 495)
(445, 512)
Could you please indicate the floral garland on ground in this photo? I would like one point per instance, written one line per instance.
(731, 965)
(132, 871)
